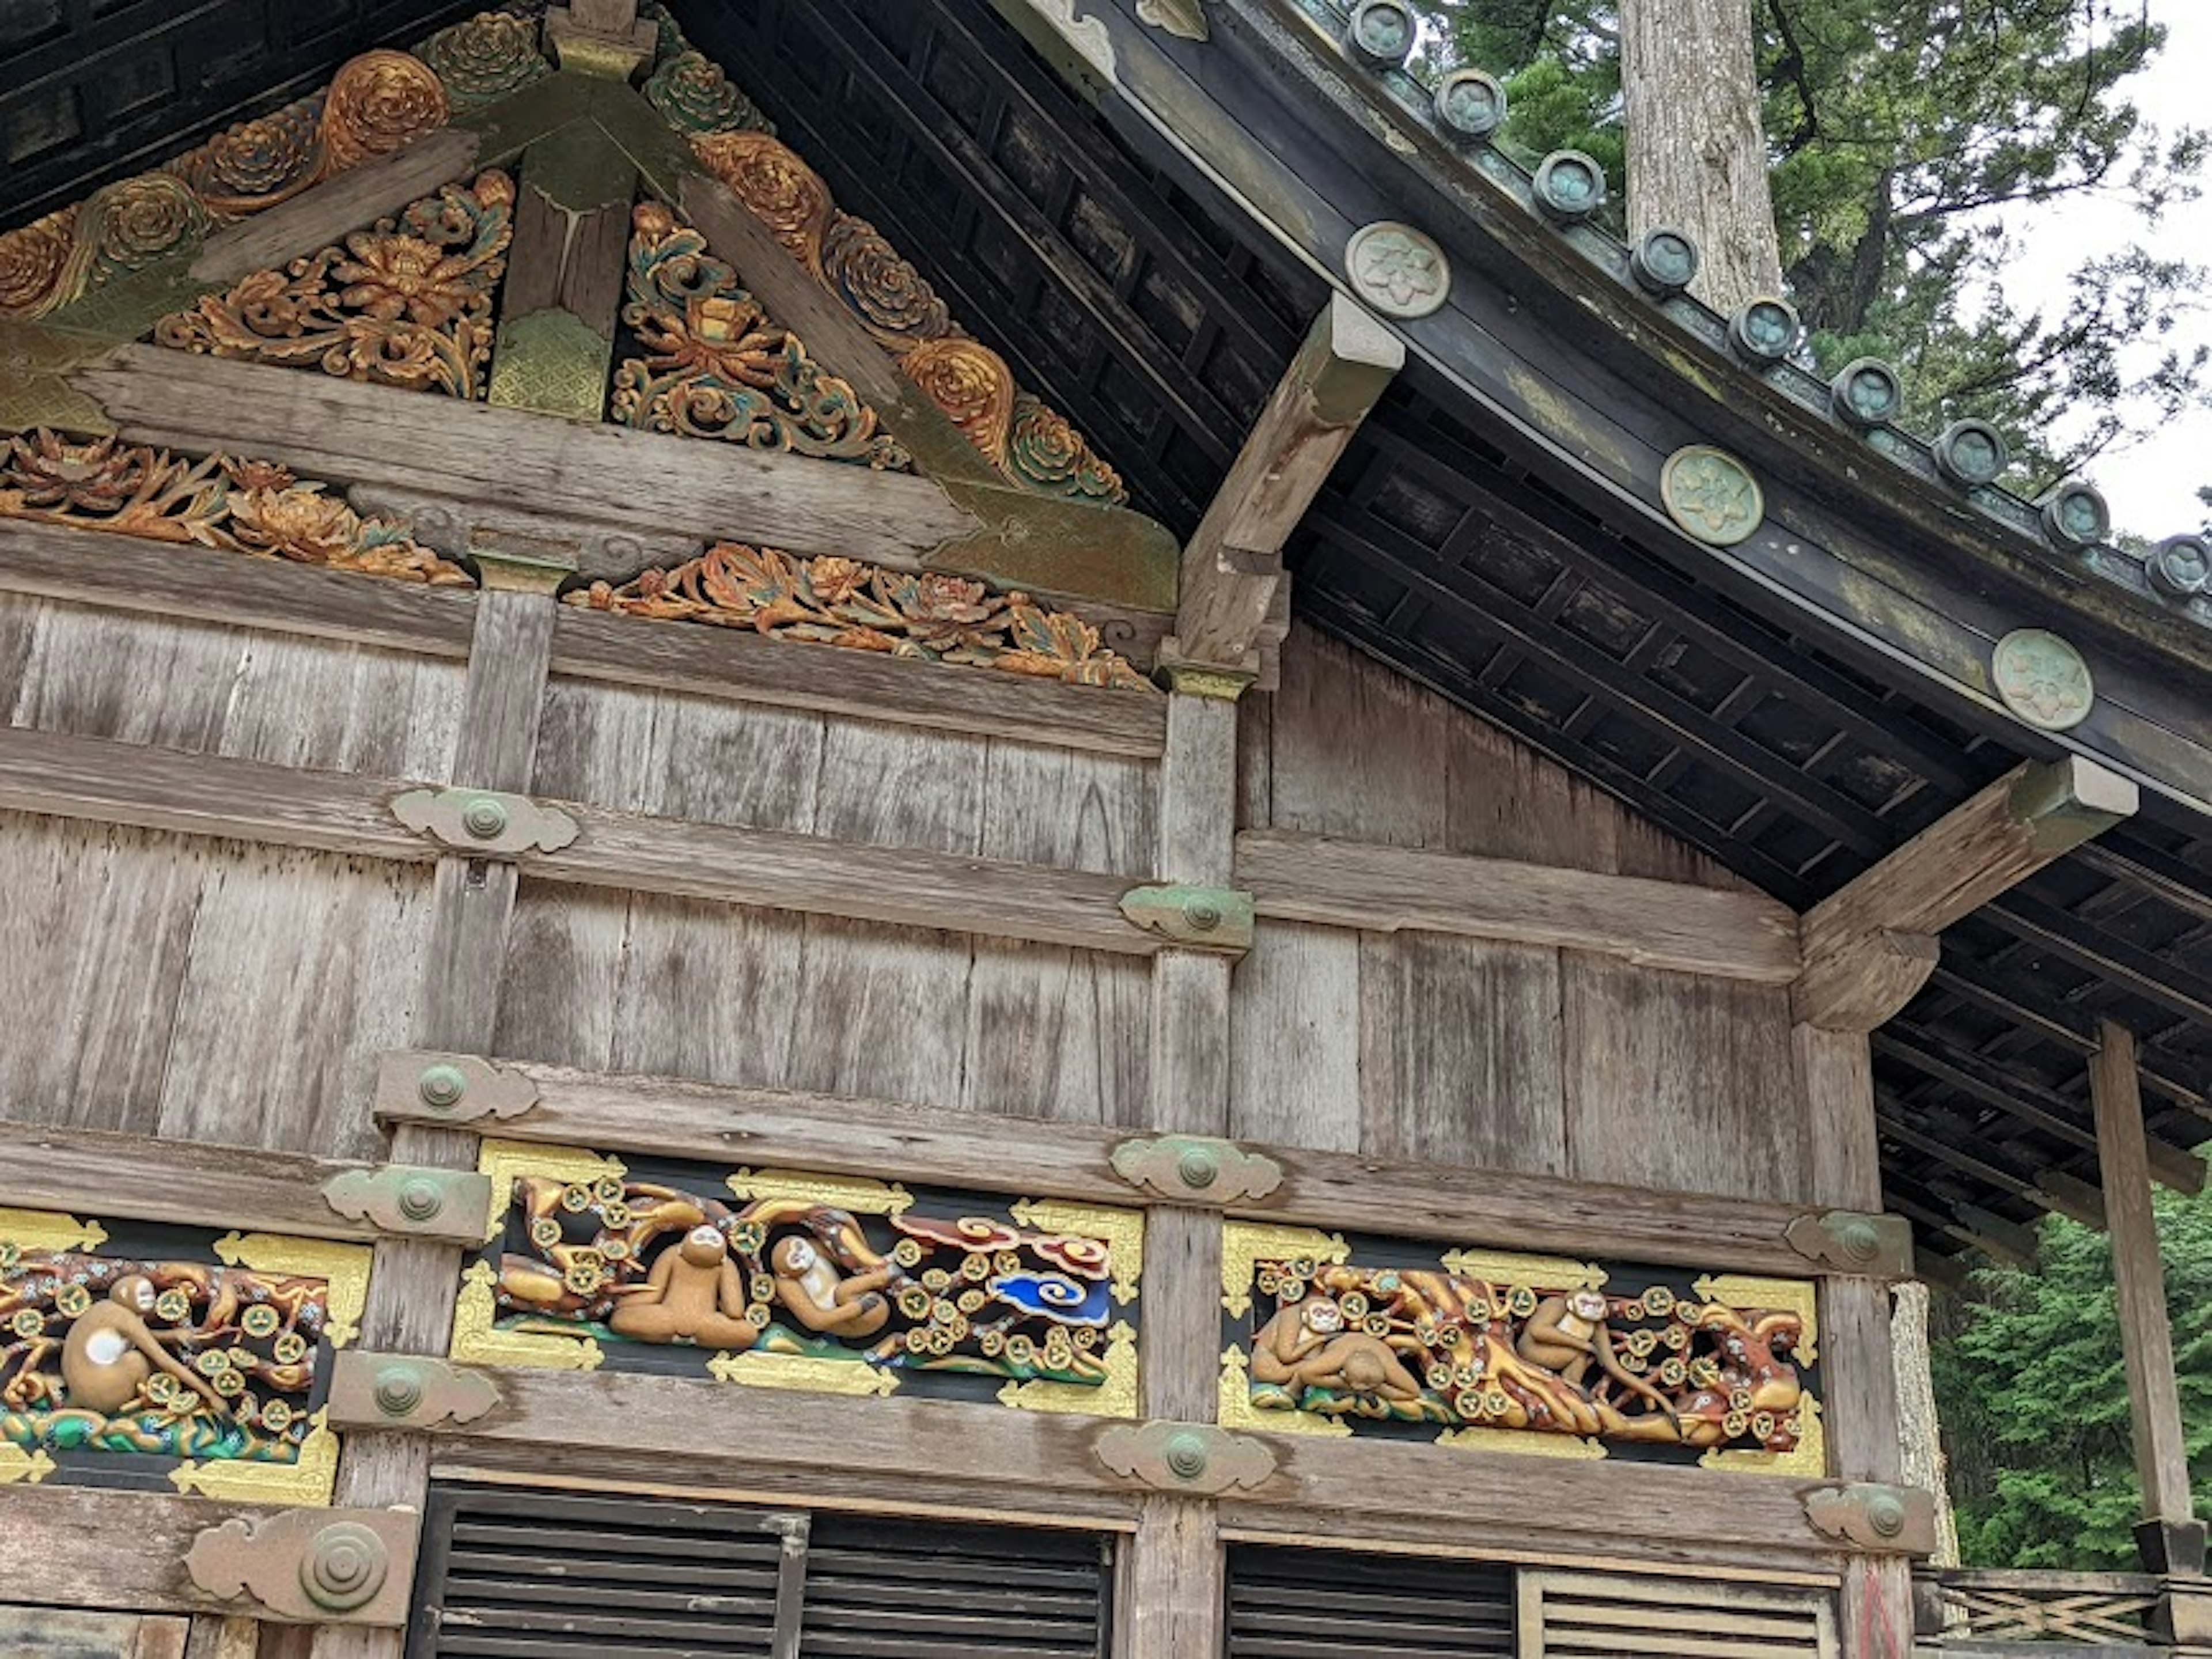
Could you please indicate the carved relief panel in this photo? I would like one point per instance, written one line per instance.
(171, 1354)
(782, 1278)
(1521, 1353)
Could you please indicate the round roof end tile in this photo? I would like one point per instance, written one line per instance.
(1664, 261)
(1470, 104)
(2075, 515)
(1970, 452)
(1766, 330)
(2180, 566)
(1382, 33)
(1570, 187)
(1867, 394)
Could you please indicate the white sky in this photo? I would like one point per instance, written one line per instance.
(2152, 486)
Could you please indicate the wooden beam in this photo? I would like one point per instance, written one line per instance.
(1654, 924)
(337, 206)
(356, 434)
(741, 666)
(842, 1134)
(2146, 1338)
(1233, 564)
(104, 782)
(201, 584)
(190, 1183)
(1868, 947)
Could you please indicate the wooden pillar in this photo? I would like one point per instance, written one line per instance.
(2171, 1536)
(1836, 1071)
(413, 1284)
(1170, 1592)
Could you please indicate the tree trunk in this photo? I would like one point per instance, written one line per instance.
(1697, 152)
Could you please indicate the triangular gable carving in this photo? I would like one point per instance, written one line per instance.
(406, 302)
(377, 103)
(716, 365)
(1032, 444)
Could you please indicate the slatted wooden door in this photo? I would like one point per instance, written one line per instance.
(1329, 1604)
(517, 1573)
(1603, 1615)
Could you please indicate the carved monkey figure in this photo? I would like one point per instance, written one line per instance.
(1305, 1345)
(813, 1292)
(1568, 1334)
(694, 1293)
(110, 1351)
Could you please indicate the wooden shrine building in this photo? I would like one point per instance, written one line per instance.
(943, 828)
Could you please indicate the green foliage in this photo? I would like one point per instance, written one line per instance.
(2032, 1395)
(1910, 141)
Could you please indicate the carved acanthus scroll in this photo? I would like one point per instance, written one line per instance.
(1031, 443)
(407, 302)
(833, 601)
(240, 506)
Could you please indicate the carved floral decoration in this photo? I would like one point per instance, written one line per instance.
(1520, 1354)
(407, 302)
(844, 602)
(207, 1361)
(376, 103)
(1032, 444)
(716, 364)
(240, 506)
(482, 59)
(785, 1279)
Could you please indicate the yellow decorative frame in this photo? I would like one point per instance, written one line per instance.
(854, 1193)
(759, 1370)
(503, 1160)
(342, 1268)
(1245, 1245)
(1526, 1272)
(1123, 1230)
(1116, 1397)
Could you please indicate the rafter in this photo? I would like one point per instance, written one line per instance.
(1870, 946)
(1232, 566)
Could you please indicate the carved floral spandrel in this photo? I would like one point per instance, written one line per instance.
(238, 506)
(865, 607)
(1527, 1353)
(407, 302)
(839, 1285)
(211, 1366)
(717, 365)
(1032, 444)
(375, 104)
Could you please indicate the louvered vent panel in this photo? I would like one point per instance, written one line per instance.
(1572, 1615)
(511, 1574)
(931, 1589)
(1325, 1604)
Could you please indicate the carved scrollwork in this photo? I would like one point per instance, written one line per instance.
(249, 507)
(844, 602)
(1032, 444)
(407, 302)
(716, 364)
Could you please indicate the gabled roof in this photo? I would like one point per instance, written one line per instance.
(1140, 223)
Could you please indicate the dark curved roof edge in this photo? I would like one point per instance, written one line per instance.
(1594, 384)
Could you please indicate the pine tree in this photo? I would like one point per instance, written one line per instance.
(2032, 1395)
(1903, 136)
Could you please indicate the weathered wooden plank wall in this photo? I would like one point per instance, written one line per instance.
(1471, 1051)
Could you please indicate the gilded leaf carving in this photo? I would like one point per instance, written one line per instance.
(407, 302)
(717, 365)
(844, 602)
(1032, 444)
(240, 506)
